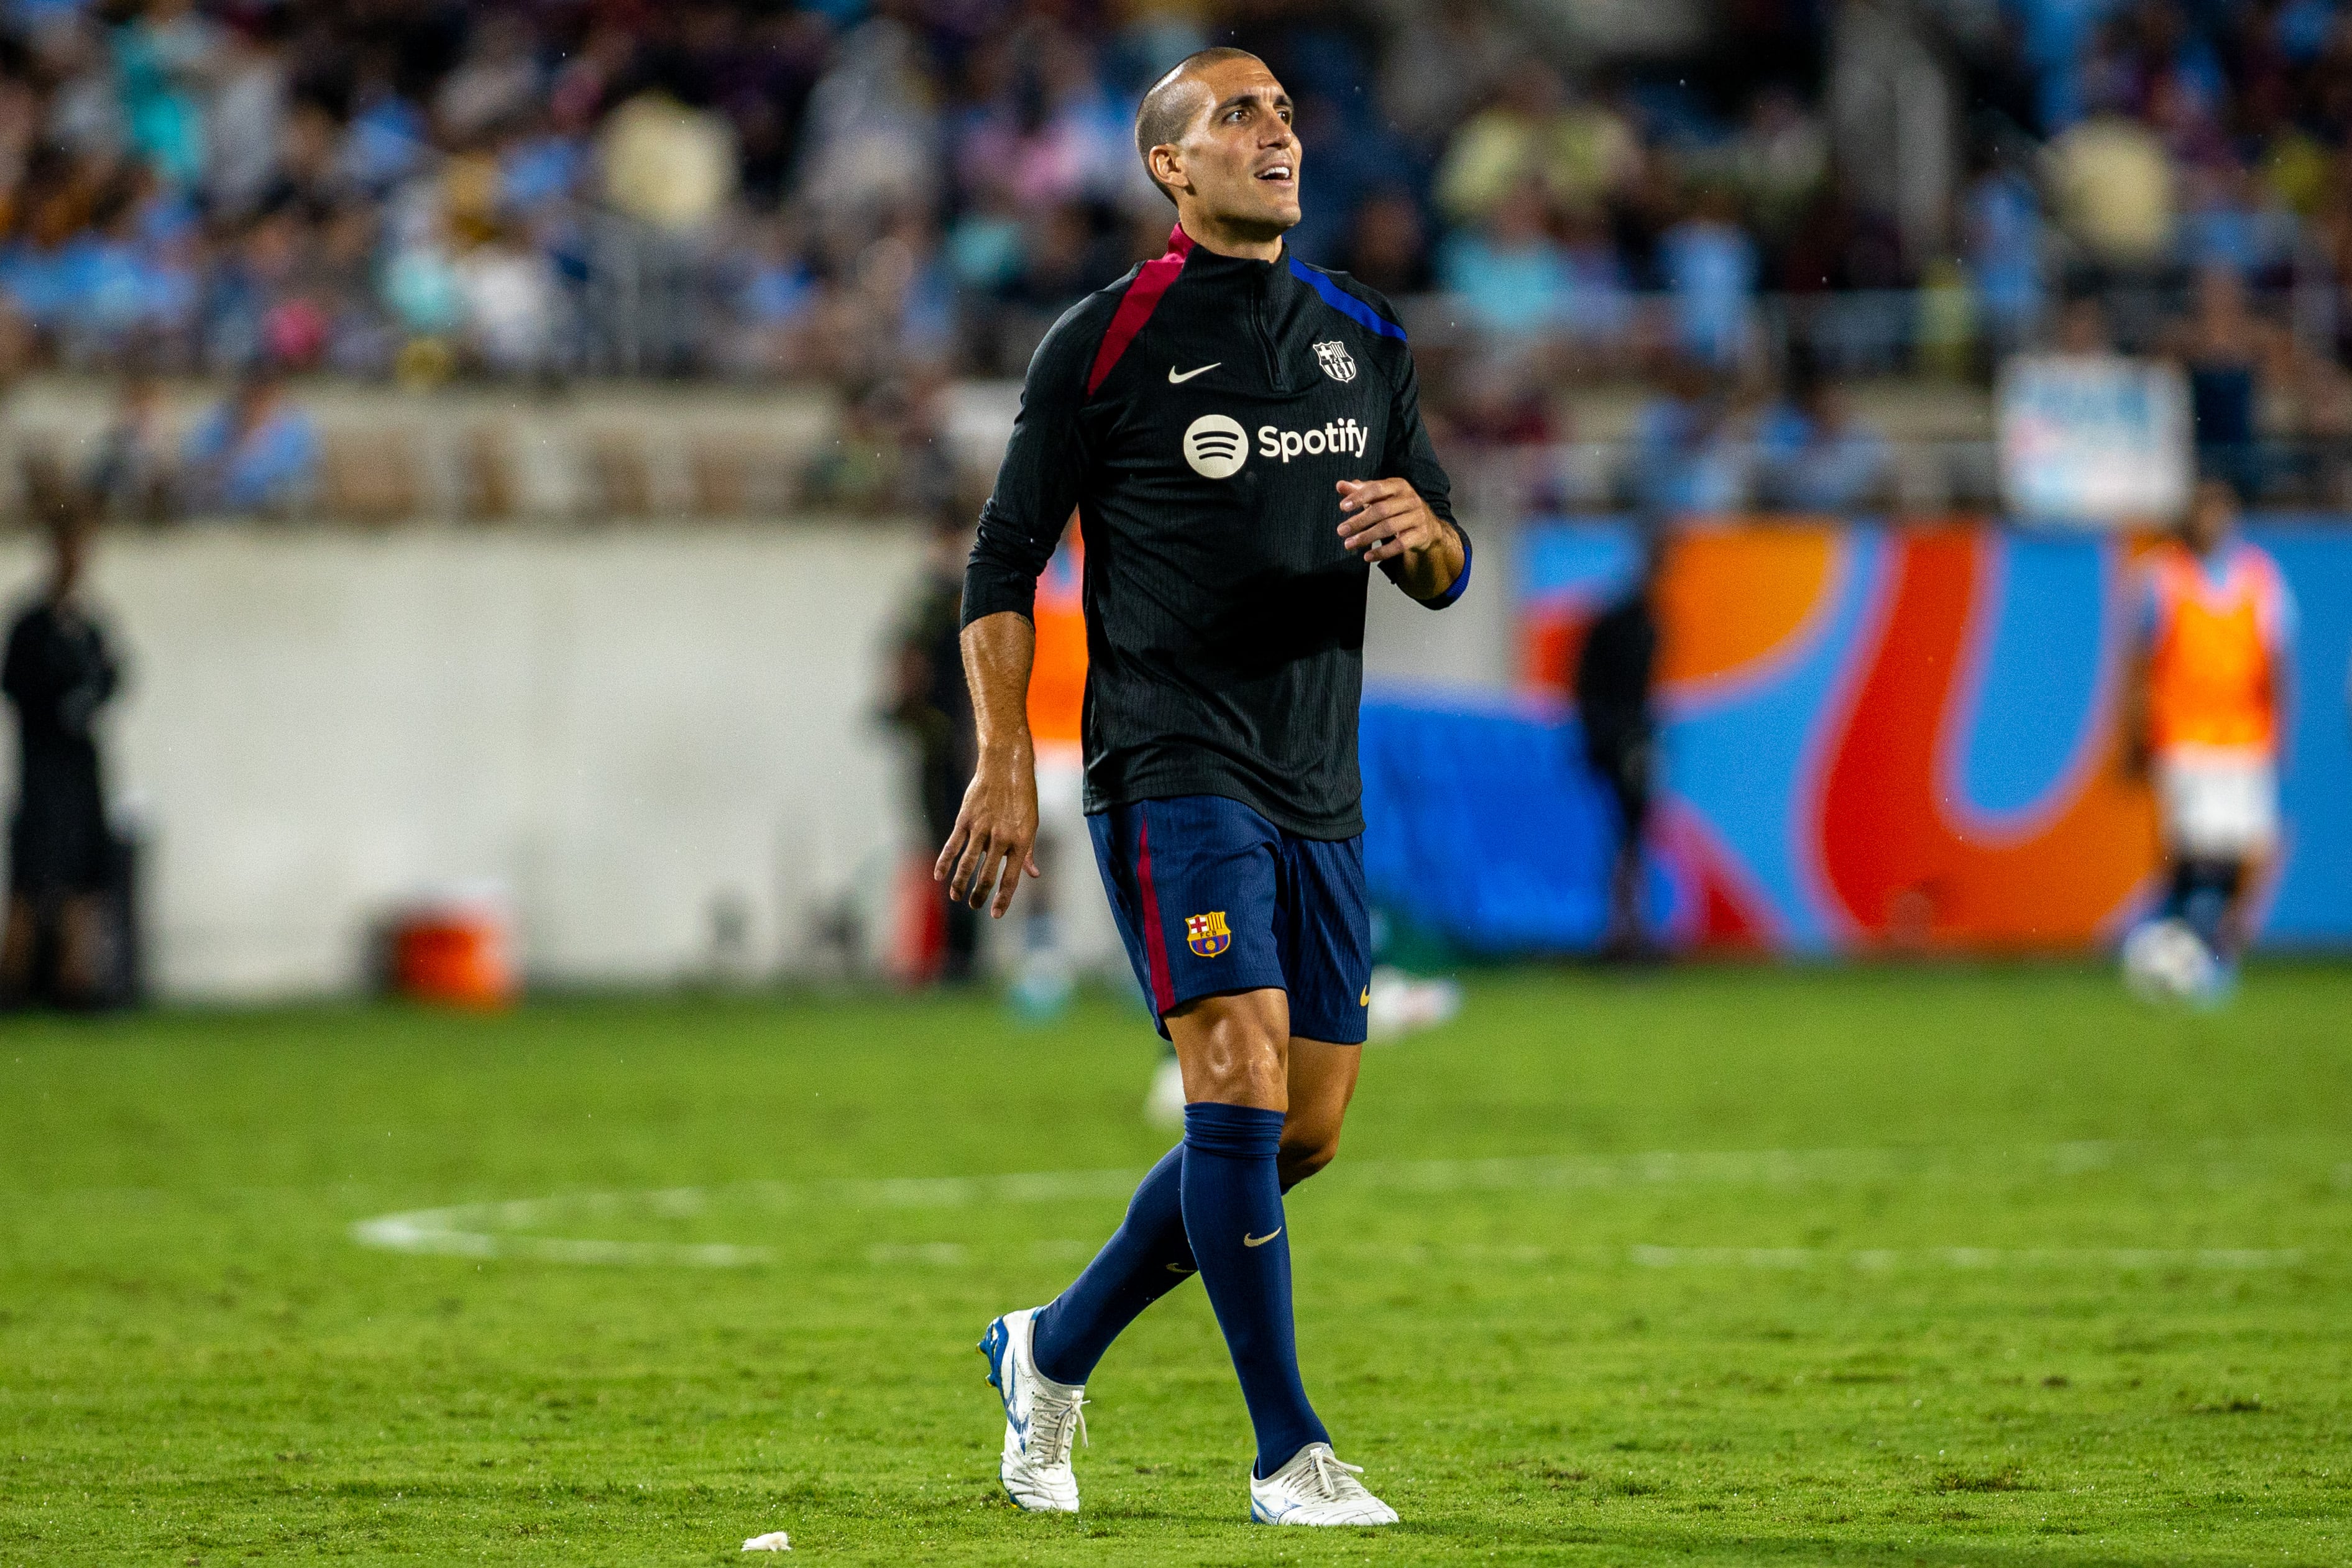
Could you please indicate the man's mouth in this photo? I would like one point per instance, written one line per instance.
(1276, 173)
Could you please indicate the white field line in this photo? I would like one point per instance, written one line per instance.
(1875, 1259)
(502, 1228)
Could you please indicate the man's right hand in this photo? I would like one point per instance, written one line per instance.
(995, 833)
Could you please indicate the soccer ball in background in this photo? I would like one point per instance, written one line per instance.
(2167, 961)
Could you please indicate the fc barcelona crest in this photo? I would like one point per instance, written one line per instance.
(1336, 361)
(1207, 934)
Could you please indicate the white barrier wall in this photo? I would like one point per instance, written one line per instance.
(626, 730)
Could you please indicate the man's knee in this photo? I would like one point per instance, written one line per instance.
(1308, 1143)
(1234, 1049)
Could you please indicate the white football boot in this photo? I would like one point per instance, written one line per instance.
(1316, 1487)
(1042, 1418)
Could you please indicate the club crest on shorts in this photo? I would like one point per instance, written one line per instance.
(1335, 360)
(1207, 934)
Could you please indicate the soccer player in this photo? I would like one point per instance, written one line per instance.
(1241, 434)
(2216, 627)
(58, 670)
(1616, 676)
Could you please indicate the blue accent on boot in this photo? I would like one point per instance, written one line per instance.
(1146, 1258)
(1233, 1216)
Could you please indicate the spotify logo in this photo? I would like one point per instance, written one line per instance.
(1216, 446)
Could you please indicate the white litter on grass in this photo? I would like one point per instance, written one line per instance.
(504, 1229)
(774, 1541)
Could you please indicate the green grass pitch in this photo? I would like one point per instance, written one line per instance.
(1966, 1266)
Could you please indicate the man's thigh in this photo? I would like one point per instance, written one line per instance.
(1194, 885)
(1326, 927)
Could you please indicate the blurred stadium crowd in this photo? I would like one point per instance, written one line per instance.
(881, 198)
(416, 186)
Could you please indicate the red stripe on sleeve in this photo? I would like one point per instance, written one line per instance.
(1136, 306)
(1155, 933)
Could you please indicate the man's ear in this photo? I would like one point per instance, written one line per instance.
(1168, 164)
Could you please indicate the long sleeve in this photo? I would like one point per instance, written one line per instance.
(1044, 471)
(1411, 457)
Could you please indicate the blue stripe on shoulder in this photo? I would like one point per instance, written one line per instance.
(1345, 303)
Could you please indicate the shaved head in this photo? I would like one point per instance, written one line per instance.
(1174, 100)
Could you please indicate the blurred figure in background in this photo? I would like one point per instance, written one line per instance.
(1684, 459)
(1057, 692)
(2221, 346)
(2003, 239)
(2217, 627)
(1812, 455)
(254, 454)
(133, 475)
(58, 672)
(1709, 267)
(929, 702)
(1615, 676)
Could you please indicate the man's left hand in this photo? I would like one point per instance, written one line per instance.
(1389, 519)
(1384, 519)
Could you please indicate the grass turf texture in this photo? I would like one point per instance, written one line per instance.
(1572, 1356)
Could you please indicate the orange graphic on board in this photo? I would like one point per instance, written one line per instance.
(1900, 868)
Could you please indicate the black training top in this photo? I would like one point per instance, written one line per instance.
(1198, 414)
(57, 672)
(1615, 673)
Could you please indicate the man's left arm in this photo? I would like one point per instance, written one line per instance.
(1404, 521)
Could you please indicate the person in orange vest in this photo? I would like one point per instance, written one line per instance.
(1057, 694)
(2217, 625)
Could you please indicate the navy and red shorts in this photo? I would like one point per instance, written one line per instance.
(1210, 897)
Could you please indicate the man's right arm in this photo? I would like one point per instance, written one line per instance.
(1037, 488)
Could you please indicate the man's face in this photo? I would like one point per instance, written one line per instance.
(1238, 154)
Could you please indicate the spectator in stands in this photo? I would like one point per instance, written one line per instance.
(2002, 240)
(1508, 272)
(1445, 61)
(1778, 160)
(1579, 154)
(2112, 184)
(2228, 224)
(869, 139)
(2082, 327)
(58, 672)
(133, 473)
(254, 453)
(1709, 265)
(1388, 245)
(2222, 346)
(1685, 459)
(509, 294)
(772, 301)
(669, 167)
(1597, 305)
(1616, 675)
(1812, 455)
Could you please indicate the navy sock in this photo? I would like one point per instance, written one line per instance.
(1146, 1258)
(1233, 1214)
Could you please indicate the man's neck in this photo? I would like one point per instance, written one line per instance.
(1247, 241)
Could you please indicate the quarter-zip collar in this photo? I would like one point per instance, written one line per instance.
(1255, 288)
(1219, 269)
